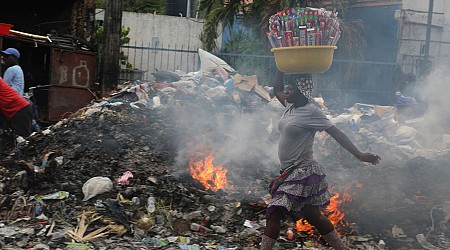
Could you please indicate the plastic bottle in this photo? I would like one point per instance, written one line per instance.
(55, 196)
(156, 101)
(198, 228)
(229, 84)
(218, 229)
(136, 200)
(151, 207)
(196, 215)
(37, 208)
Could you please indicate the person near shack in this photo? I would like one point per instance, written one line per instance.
(15, 111)
(301, 189)
(13, 74)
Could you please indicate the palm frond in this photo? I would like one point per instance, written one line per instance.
(222, 15)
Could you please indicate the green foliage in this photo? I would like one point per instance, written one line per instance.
(241, 45)
(145, 6)
(140, 6)
(254, 13)
(100, 4)
(255, 16)
(124, 39)
(216, 13)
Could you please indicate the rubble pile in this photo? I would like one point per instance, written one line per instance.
(106, 145)
(118, 174)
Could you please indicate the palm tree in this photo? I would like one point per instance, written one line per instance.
(219, 13)
(255, 15)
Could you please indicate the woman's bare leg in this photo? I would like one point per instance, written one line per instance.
(272, 230)
(313, 215)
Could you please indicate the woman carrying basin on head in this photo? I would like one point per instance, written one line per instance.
(302, 189)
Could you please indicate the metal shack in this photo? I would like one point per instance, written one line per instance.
(58, 62)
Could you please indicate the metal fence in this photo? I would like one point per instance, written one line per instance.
(344, 84)
(146, 60)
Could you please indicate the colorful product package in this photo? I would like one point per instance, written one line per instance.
(302, 36)
(303, 27)
(311, 37)
(289, 38)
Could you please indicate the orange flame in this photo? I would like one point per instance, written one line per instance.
(210, 176)
(333, 212)
(303, 226)
(359, 185)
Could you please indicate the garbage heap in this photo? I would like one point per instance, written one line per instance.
(183, 162)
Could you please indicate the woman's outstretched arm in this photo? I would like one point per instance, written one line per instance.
(345, 142)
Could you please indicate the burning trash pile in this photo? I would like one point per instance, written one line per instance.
(184, 162)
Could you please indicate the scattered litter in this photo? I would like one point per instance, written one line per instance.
(96, 186)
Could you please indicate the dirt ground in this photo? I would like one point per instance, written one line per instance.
(155, 145)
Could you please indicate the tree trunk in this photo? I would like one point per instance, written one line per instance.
(111, 45)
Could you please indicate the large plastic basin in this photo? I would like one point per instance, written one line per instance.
(304, 59)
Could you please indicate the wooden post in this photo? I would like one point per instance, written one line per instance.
(110, 58)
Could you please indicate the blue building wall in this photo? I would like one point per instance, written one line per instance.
(381, 31)
(373, 83)
(237, 27)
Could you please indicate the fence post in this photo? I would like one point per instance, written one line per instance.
(111, 45)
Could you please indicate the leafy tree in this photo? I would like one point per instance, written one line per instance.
(255, 16)
(223, 12)
(140, 6)
(124, 39)
(242, 44)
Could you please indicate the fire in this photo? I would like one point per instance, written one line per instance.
(359, 185)
(333, 212)
(211, 177)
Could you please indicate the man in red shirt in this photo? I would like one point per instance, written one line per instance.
(15, 111)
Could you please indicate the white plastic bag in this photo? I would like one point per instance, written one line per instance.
(209, 62)
(95, 186)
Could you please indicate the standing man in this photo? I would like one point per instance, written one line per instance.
(15, 111)
(13, 74)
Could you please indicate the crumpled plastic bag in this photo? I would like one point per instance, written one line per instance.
(217, 93)
(405, 134)
(115, 210)
(95, 186)
(209, 62)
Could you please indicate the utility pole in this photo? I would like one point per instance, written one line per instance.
(426, 64)
(110, 57)
(188, 8)
(429, 25)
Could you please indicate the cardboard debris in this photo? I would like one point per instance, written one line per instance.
(262, 92)
(246, 83)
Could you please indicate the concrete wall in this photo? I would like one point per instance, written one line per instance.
(412, 33)
(422, 5)
(161, 31)
(445, 48)
(163, 34)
